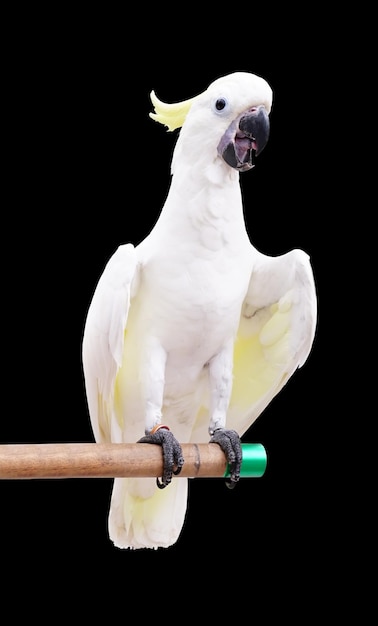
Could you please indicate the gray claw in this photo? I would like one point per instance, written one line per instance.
(230, 443)
(173, 459)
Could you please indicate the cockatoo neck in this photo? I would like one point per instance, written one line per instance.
(209, 191)
(205, 202)
(202, 178)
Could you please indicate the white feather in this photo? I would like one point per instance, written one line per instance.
(193, 326)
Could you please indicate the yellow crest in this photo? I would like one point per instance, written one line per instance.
(171, 115)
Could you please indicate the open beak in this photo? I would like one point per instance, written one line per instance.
(247, 134)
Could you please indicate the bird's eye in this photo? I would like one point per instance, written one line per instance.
(220, 105)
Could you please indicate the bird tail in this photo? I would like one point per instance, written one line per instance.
(143, 516)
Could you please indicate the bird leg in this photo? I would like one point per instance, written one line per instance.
(220, 376)
(153, 375)
(173, 459)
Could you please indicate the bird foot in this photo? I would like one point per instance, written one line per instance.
(230, 443)
(173, 459)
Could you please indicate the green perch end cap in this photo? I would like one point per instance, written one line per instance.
(253, 461)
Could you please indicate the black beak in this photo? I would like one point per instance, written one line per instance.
(246, 135)
(255, 125)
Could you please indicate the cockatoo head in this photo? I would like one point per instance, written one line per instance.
(229, 120)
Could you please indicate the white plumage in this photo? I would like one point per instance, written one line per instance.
(194, 327)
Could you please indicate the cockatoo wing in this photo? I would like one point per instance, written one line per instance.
(274, 338)
(140, 515)
(276, 332)
(103, 338)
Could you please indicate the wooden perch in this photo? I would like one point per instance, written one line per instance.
(102, 460)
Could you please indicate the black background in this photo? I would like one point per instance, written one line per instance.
(86, 170)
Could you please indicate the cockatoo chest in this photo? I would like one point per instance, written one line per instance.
(196, 267)
(190, 297)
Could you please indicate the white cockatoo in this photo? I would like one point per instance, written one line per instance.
(192, 332)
